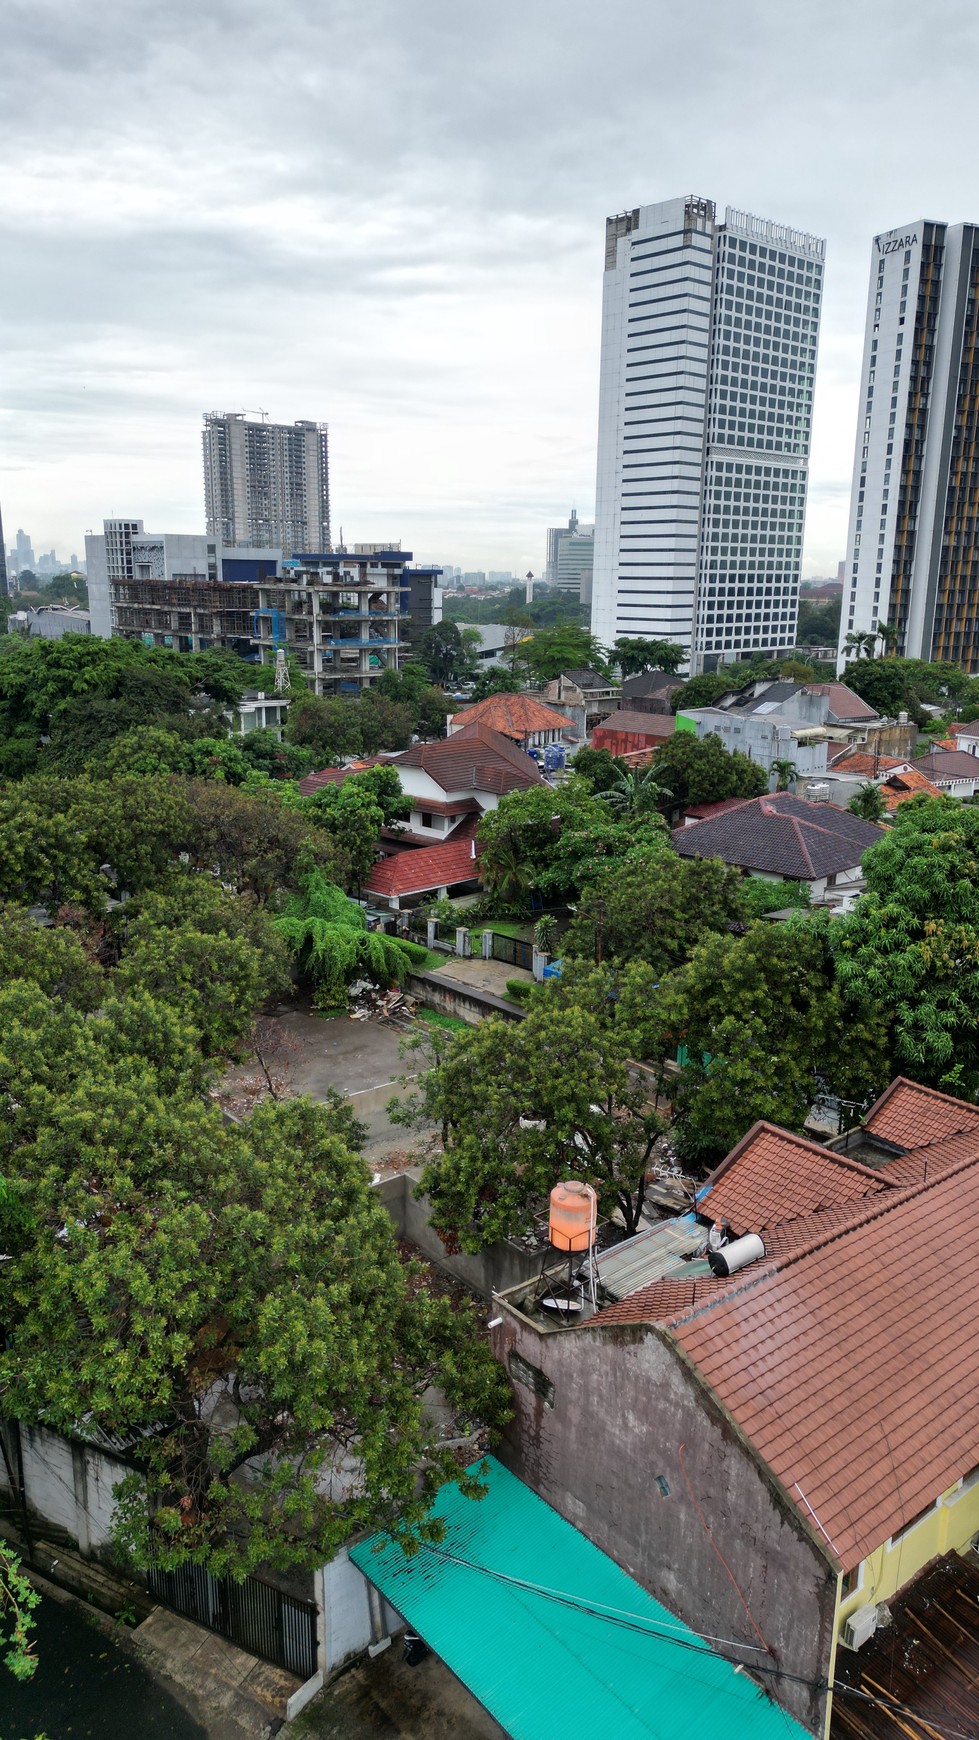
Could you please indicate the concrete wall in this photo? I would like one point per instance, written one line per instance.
(348, 1624)
(601, 1419)
(463, 1001)
(67, 1485)
(494, 1270)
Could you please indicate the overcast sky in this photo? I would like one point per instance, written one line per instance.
(389, 215)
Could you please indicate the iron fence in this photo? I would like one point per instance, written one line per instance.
(514, 952)
(253, 1614)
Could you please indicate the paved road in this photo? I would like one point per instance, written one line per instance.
(86, 1688)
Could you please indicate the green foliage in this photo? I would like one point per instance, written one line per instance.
(566, 648)
(763, 1025)
(236, 1293)
(653, 907)
(912, 942)
(264, 753)
(699, 770)
(521, 841)
(329, 937)
(599, 767)
(255, 839)
(520, 990)
(18, 1600)
(819, 624)
(449, 653)
(756, 897)
(524, 1104)
(867, 803)
(146, 749)
(637, 791)
(494, 680)
(51, 957)
(704, 690)
(634, 654)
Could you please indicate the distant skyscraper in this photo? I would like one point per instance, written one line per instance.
(121, 565)
(24, 551)
(709, 335)
(570, 555)
(4, 582)
(267, 485)
(913, 548)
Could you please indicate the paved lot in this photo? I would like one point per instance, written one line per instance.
(386, 1700)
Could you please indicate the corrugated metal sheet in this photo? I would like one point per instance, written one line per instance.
(649, 1255)
(551, 1636)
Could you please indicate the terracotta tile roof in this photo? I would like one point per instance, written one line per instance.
(853, 1366)
(516, 716)
(700, 812)
(639, 724)
(843, 703)
(907, 784)
(446, 806)
(474, 759)
(910, 1115)
(417, 872)
(773, 1176)
(781, 834)
(336, 775)
(866, 766)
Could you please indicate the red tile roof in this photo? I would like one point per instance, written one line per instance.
(910, 1115)
(773, 1176)
(417, 872)
(474, 759)
(866, 766)
(516, 716)
(907, 784)
(700, 812)
(853, 1366)
(336, 775)
(949, 764)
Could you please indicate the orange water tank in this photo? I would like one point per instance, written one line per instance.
(572, 1217)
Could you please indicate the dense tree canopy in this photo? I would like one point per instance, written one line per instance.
(912, 942)
(524, 1104)
(699, 770)
(653, 907)
(635, 653)
(762, 1026)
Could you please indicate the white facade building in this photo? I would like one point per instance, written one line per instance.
(125, 553)
(709, 334)
(267, 485)
(913, 545)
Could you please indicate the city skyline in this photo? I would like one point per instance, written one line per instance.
(428, 284)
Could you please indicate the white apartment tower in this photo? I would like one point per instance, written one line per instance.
(913, 547)
(709, 334)
(266, 485)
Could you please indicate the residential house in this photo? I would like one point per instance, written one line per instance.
(519, 717)
(851, 769)
(587, 698)
(635, 736)
(650, 691)
(765, 739)
(844, 717)
(782, 838)
(963, 736)
(954, 771)
(776, 1441)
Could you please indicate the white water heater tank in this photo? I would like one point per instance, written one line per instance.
(729, 1258)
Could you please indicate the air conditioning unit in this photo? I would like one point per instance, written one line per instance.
(860, 1627)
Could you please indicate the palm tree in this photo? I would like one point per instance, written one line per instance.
(852, 646)
(887, 635)
(504, 872)
(785, 772)
(636, 792)
(867, 803)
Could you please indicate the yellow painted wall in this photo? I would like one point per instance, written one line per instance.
(946, 1529)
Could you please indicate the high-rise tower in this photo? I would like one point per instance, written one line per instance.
(709, 334)
(913, 547)
(4, 582)
(266, 485)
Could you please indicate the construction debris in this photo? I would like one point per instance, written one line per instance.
(368, 1001)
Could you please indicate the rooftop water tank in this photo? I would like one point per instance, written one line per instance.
(573, 1217)
(736, 1255)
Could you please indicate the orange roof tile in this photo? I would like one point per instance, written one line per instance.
(516, 716)
(904, 785)
(773, 1176)
(417, 872)
(857, 761)
(853, 1366)
(911, 1115)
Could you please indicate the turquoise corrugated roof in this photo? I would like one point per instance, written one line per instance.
(552, 1636)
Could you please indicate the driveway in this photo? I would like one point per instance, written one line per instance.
(385, 1699)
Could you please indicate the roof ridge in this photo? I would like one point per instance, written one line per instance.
(884, 1204)
(764, 1124)
(797, 822)
(920, 1087)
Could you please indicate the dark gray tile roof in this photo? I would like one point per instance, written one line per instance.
(782, 835)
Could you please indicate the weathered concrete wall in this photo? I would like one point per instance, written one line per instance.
(494, 1270)
(463, 1001)
(68, 1485)
(348, 1628)
(602, 1420)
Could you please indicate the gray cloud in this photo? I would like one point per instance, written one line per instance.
(391, 217)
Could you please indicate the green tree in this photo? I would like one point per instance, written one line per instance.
(525, 1104)
(330, 728)
(234, 1297)
(550, 651)
(494, 680)
(329, 936)
(763, 1026)
(18, 1599)
(354, 812)
(521, 836)
(215, 979)
(144, 749)
(867, 803)
(634, 654)
(449, 653)
(49, 956)
(599, 767)
(637, 792)
(911, 943)
(785, 772)
(255, 840)
(264, 753)
(654, 907)
(699, 770)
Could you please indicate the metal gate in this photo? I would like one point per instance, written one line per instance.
(513, 951)
(252, 1614)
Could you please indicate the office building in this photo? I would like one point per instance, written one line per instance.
(339, 614)
(709, 334)
(266, 485)
(913, 547)
(4, 581)
(570, 558)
